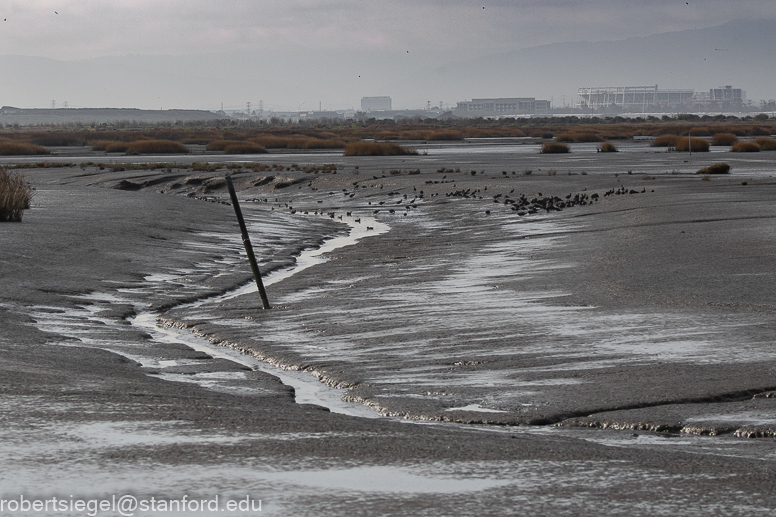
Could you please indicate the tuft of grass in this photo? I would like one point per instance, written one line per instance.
(665, 141)
(608, 147)
(745, 147)
(579, 137)
(244, 148)
(766, 143)
(156, 147)
(554, 148)
(220, 145)
(717, 168)
(699, 145)
(724, 139)
(377, 149)
(15, 196)
(19, 148)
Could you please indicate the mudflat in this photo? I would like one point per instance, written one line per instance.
(581, 334)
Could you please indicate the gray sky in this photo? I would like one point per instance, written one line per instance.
(329, 30)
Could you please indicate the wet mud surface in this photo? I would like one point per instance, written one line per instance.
(628, 337)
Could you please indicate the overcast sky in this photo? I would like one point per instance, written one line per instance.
(83, 29)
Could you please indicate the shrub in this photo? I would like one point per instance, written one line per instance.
(717, 168)
(18, 148)
(15, 195)
(608, 147)
(665, 141)
(699, 145)
(377, 149)
(244, 148)
(116, 147)
(156, 146)
(554, 148)
(220, 145)
(745, 147)
(766, 143)
(58, 140)
(724, 139)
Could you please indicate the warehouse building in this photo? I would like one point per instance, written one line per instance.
(500, 107)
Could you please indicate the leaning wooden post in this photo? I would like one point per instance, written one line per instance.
(247, 243)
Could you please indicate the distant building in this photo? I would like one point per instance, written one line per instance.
(632, 97)
(727, 94)
(369, 104)
(501, 107)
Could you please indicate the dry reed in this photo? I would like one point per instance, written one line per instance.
(15, 196)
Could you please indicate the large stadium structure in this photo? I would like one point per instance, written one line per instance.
(632, 97)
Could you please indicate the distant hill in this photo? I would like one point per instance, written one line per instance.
(740, 53)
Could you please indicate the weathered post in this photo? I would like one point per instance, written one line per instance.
(247, 243)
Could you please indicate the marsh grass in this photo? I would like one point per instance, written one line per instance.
(156, 146)
(699, 145)
(21, 148)
(244, 148)
(15, 196)
(554, 148)
(608, 147)
(717, 168)
(377, 149)
(299, 142)
(665, 141)
(745, 147)
(766, 143)
(578, 137)
(724, 139)
(220, 145)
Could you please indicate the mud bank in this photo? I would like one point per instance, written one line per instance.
(606, 317)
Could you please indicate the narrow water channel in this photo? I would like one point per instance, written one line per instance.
(307, 388)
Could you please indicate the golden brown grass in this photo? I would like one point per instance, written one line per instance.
(766, 143)
(554, 148)
(21, 148)
(745, 147)
(717, 168)
(724, 139)
(244, 148)
(377, 149)
(15, 196)
(156, 147)
(699, 145)
(608, 147)
(665, 141)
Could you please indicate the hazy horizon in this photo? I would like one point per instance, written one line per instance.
(327, 54)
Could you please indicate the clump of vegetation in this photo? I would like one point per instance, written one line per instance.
(699, 145)
(244, 148)
(21, 148)
(608, 147)
(554, 148)
(109, 146)
(717, 168)
(377, 149)
(59, 140)
(766, 143)
(745, 147)
(156, 146)
(220, 145)
(724, 139)
(579, 137)
(665, 141)
(15, 196)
